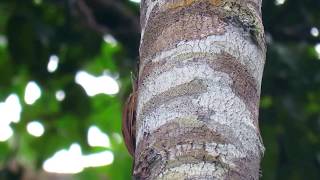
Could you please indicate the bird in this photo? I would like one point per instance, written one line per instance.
(128, 123)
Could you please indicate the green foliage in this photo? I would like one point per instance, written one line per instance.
(289, 116)
(33, 33)
(33, 30)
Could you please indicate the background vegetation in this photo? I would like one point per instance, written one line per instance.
(101, 38)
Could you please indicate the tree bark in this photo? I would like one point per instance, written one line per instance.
(201, 65)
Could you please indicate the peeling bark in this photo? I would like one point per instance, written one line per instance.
(198, 90)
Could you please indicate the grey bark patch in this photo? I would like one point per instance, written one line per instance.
(194, 22)
(174, 144)
(146, 158)
(182, 140)
(243, 83)
(247, 169)
(198, 20)
(194, 87)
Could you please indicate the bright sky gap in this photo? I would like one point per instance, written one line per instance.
(53, 63)
(96, 138)
(10, 111)
(279, 2)
(314, 32)
(60, 95)
(35, 128)
(72, 161)
(317, 48)
(32, 93)
(135, 1)
(93, 85)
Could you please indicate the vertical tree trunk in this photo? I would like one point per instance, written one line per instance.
(199, 87)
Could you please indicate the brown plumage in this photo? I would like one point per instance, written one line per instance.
(128, 123)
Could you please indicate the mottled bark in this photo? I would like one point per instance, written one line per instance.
(198, 91)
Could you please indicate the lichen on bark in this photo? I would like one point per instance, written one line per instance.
(198, 91)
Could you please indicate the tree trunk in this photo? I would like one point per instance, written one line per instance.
(199, 88)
